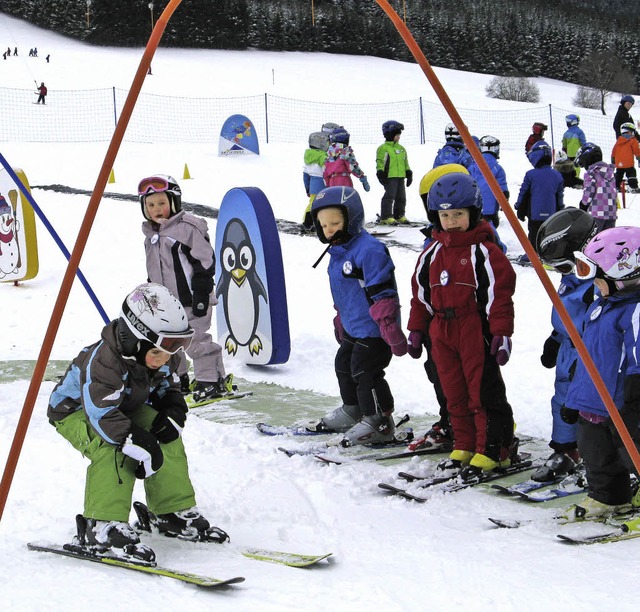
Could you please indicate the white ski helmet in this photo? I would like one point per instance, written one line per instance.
(160, 183)
(150, 312)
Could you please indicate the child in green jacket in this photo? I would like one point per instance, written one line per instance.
(392, 167)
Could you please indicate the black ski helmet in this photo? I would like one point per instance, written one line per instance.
(587, 155)
(561, 234)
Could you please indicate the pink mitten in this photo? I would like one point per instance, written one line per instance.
(386, 313)
(501, 348)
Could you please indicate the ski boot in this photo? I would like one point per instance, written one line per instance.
(111, 539)
(340, 420)
(558, 464)
(186, 524)
(454, 463)
(591, 508)
(438, 437)
(372, 429)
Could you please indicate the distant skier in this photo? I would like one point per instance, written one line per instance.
(43, 93)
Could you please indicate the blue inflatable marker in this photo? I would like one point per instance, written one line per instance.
(252, 316)
(238, 137)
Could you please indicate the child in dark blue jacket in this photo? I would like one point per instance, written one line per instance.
(542, 190)
(367, 327)
(454, 151)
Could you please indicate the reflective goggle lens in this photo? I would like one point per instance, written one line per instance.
(172, 344)
(585, 268)
(153, 184)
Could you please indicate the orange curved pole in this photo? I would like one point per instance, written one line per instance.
(517, 228)
(78, 249)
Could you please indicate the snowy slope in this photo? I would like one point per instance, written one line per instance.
(388, 554)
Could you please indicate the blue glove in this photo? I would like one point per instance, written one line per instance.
(365, 183)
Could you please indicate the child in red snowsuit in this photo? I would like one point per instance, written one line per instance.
(462, 298)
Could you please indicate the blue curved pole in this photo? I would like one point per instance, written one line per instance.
(54, 235)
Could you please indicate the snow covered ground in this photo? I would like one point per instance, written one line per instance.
(388, 554)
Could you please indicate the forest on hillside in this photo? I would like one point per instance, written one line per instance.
(548, 38)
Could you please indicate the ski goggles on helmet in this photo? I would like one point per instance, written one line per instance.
(153, 184)
(564, 266)
(586, 268)
(169, 342)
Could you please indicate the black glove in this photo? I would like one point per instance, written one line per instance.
(200, 305)
(143, 447)
(382, 177)
(409, 175)
(568, 415)
(169, 423)
(522, 213)
(549, 356)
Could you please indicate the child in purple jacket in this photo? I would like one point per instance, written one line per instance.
(599, 197)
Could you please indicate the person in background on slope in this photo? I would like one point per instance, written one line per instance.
(541, 193)
(392, 168)
(623, 156)
(42, 91)
(454, 151)
(341, 162)
(537, 134)
(180, 257)
(623, 114)
(559, 237)
(490, 148)
(119, 403)
(611, 337)
(314, 158)
(573, 138)
(568, 170)
(600, 197)
(367, 324)
(462, 290)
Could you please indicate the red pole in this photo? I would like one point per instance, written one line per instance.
(78, 249)
(517, 228)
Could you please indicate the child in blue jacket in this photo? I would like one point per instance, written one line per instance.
(542, 190)
(490, 148)
(454, 151)
(558, 238)
(367, 327)
(611, 337)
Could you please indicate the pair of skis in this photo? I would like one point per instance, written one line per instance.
(450, 483)
(624, 526)
(87, 554)
(536, 492)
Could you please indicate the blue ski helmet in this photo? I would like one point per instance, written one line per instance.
(339, 135)
(454, 190)
(572, 120)
(390, 129)
(628, 98)
(540, 154)
(346, 199)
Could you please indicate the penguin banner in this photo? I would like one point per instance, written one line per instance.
(18, 242)
(254, 321)
(238, 137)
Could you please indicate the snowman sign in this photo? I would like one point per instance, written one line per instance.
(18, 244)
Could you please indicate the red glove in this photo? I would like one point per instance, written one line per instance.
(415, 344)
(386, 313)
(501, 348)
